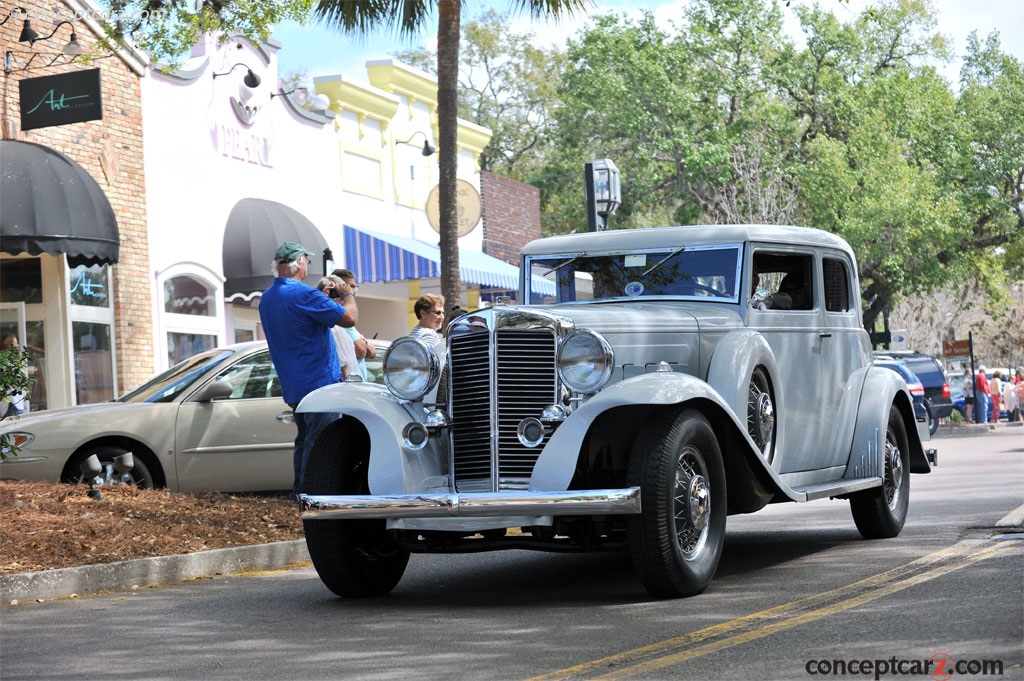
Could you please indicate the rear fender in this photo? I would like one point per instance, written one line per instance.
(881, 390)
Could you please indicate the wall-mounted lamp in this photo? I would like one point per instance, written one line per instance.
(71, 49)
(11, 13)
(251, 79)
(603, 192)
(428, 148)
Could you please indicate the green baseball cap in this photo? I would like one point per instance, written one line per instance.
(289, 251)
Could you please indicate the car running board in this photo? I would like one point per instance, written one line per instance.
(836, 488)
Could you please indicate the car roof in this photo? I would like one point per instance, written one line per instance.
(692, 235)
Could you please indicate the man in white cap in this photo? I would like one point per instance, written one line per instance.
(297, 321)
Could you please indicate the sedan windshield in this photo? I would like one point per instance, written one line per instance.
(168, 385)
(699, 273)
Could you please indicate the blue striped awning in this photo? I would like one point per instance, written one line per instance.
(386, 257)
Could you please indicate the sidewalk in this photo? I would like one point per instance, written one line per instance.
(128, 574)
(972, 429)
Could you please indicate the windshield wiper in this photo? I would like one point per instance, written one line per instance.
(567, 262)
(664, 260)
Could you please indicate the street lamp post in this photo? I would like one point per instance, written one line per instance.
(603, 190)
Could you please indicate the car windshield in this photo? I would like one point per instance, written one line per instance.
(168, 385)
(698, 273)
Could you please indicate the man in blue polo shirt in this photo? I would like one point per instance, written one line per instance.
(297, 321)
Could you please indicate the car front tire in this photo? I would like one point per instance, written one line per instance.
(880, 512)
(354, 558)
(676, 543)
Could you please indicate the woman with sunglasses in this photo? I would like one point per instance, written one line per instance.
(429, 310)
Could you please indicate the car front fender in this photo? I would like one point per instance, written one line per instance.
(393, 468)
(557, 462)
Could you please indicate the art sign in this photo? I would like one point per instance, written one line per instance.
(65, 98)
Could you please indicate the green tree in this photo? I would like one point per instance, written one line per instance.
(507, 85)
(407, 17)
(167, 29)
(14, 380)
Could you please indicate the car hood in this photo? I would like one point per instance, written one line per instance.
(67, 417)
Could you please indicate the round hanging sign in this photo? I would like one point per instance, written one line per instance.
(467, 207)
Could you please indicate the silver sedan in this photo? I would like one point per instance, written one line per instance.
(215, 421)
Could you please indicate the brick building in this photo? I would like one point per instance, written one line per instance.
(74, 264)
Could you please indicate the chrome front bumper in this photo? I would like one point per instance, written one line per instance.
(474, 505)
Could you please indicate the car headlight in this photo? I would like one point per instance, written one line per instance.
(411, 369)
(585, 361)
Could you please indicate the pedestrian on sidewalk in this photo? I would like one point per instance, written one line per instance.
(981, 396)
(297, 321)
(364, 349)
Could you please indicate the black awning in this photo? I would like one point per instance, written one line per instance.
(255, 229)
(50, 204)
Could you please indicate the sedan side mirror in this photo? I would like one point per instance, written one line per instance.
(214, 391)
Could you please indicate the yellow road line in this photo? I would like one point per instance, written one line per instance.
(780, 618)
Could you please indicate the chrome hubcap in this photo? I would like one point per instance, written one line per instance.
(893, 479)
(692, 504)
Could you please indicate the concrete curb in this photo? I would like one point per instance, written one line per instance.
(126, 574)
(973, 429)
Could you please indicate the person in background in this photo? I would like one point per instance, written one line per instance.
(996, 391)
(364, 349)
(297, 321)
(342, 341)
(981, 400)
(429, 310)
(1012, 402)
(969, 397)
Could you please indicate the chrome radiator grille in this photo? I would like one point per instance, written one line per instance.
(491, 392)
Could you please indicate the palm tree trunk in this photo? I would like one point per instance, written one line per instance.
(449, 17)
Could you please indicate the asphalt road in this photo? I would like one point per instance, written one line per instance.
(798, 595)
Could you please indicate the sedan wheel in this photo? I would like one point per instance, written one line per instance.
(112, 470)
(677, 541)
(354, 558)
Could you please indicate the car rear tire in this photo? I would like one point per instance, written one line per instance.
(676, 543)
(139, 475)
(880, 512)
(354, 558)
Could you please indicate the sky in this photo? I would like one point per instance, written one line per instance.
(320, 52)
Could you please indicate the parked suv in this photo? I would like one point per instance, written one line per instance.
(937, 399)
(675, 376)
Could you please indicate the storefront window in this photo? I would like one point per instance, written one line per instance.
(90, 285)
(187, 295)
(94, 369)
(21, 281)
(183, 345)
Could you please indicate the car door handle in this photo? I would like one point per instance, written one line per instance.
(824, 334)
(288, 416)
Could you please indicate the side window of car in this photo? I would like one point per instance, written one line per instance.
(837, 285)
(788, 277)
(252, 377)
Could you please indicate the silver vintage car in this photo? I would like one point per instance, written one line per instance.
(678, 375)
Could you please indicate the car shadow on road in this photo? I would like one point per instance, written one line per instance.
(524, 579)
